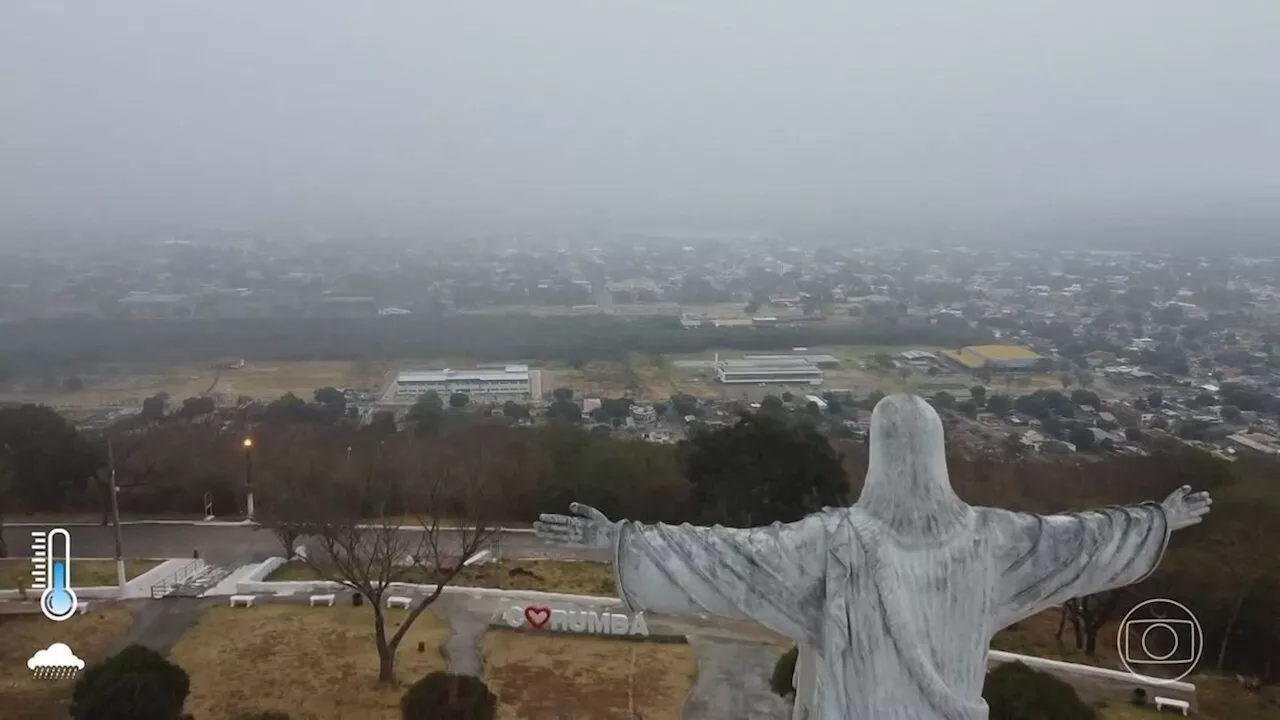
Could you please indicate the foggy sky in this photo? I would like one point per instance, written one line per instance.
(964, 116)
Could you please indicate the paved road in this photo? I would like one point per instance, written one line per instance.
(238, 544)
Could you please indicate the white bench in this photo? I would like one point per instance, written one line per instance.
(395, 601)
(322, 600)
(242, 600)
(1164, 702)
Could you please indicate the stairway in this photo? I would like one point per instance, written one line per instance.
(196, 585)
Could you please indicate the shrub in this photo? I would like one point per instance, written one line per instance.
(136, 683)
(441, 696)
(1016, 692)
(784, 673)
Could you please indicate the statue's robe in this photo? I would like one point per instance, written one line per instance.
(895, 599)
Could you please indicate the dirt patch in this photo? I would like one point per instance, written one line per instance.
(547, 676)
(316, 662)
(90, 637)
(84, 573)
(577, 578)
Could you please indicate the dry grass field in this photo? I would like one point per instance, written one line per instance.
(84, 573)
(90, 636)
(317, 662)
(539, 676)
(127, 386)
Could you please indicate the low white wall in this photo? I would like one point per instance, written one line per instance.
(314, 587)
(264, 569)
(1085, 670)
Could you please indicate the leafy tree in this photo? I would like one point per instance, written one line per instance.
(73, 384)
(459, 400)
(1230, 412)
(782, 681)
(944, 400)
(1014, 691)
(515, 411)
(999, 405)
(771, 403)
(978, 393)
(872, 399)
(1134, 435)
(427, 412)
(1204, 399)
(194, 407)
(562, 394)
(1086, 398)
(565, 410)
(153, 406)
(763, 469)
(615, 408)
(1081, 437)
(383, 423)
(332, 397)
(48, 460)
(1155, 398)
(788, 397)
(136, 683)
(660, 409)
(684, 404)
(443, 696)
(812, 408)
(968, 407)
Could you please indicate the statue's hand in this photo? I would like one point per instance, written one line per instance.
(1184, 508)
(587, 527)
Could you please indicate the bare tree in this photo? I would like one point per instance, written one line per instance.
(359, 543)
(294, 460)
(1088, 615)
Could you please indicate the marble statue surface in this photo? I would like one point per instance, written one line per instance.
(894, 600)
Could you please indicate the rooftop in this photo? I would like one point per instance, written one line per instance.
(1004, 352)
(510, 372)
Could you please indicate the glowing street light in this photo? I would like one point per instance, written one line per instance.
(248, 475)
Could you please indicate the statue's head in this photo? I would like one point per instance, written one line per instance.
(907, 486)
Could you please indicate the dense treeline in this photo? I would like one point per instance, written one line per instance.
(768, 467)
(56, 344)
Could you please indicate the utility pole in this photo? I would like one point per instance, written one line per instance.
(248, 476)
(115, 516)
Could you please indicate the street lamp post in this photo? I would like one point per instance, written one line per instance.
(248, 475)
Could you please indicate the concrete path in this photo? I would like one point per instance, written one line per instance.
(160, 624)
(733, 682)
(466, 631)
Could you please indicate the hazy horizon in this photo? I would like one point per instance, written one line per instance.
(1003, 119)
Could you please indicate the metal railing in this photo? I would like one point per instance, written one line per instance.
(182, 575)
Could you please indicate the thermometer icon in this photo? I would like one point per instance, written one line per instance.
(52, 557)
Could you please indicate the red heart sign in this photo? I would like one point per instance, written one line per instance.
(537, 616)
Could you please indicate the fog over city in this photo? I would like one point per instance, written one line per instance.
(993, 119)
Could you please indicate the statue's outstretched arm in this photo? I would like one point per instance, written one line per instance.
(1044, 560)
(773, 575)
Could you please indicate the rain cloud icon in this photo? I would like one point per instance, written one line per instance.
(55, 662)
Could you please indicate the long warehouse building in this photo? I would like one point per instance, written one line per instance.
(781, 370)
(513, 382)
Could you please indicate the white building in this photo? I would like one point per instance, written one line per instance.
(513, 382)
(779, 370)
